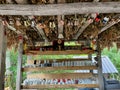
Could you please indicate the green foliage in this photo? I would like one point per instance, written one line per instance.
(13, 68)
(43, 57)
(114, 54)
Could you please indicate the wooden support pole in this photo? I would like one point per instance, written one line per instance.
(100, 74)
(61, 9)
(3, 45)
(19, 65)
(60, 17)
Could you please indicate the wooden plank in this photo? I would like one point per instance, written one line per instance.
(110, 24)
(58, 60)
(19, 64)
(60, 76)
(67, 52)
(59, 68)
(3, 45)
(61, 9)
(61, 86)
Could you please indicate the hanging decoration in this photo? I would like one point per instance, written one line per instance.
(27, 23)
(52, 24)
(18, 22)
(105, 20)
(70, 22)
(76, 21)
(40, 24)
(11, 22)
(97, 19)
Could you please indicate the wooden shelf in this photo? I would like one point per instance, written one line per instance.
(27, 69)
(57, 60)
(67, 52)
(60, 76)
(60, 86)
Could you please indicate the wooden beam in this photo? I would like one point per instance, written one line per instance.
(59, 68)
(61, 9)
(110, 24)
(60, 76)
(61, 86)
(19, 65)
(3, 45)
(67, 52)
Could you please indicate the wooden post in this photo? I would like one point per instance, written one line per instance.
(19, 65)
(60, 17)
(3, 45)
(100, 74)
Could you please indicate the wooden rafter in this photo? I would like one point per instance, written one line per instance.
(41, 32)
(81, 30)
(110, 24)
(87, 23)
(61, 9)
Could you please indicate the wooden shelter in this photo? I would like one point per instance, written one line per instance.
(35, 23)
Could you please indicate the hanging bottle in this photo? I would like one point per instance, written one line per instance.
(76, 21)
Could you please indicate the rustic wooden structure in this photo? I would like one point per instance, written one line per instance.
(2, 54)
(40, 30)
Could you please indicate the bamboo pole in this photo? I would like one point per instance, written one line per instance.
(2, 54)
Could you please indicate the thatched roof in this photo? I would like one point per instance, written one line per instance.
(75, 27)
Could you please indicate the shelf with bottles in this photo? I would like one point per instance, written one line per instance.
(33, 69)
(77, 81)
(69, 64)
(59, 47)
(37, 79)
(39, 61)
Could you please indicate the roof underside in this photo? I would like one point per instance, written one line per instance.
(68, 27)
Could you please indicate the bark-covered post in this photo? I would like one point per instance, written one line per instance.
(19, 65)
(100, 74)
(3, 44)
